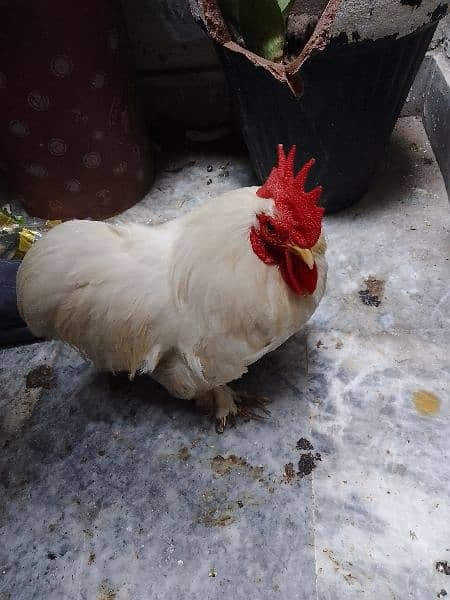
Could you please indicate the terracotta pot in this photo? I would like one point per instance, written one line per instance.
(71, 141)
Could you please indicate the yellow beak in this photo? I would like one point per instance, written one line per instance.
(305, 254)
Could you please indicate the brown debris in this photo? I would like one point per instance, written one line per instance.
(40, 377)
(211, 519)
(217, 510)
(375, 286)
(307, 463)
(329, 554)
(373, 293)
(350, 579)
(183, 453)
(224, 465)
(442, 566)
(304, 444)
(289, 472)
(106, 592)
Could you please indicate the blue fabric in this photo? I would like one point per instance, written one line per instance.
(13, 329)
(9, 315)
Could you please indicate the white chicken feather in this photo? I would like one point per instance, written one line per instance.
(188, 302)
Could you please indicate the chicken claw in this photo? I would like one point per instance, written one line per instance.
(223, 404)
(222, 423)
(252, 406)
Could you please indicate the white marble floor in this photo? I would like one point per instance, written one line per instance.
(112, 491)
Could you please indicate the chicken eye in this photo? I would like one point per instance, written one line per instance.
(270, 227)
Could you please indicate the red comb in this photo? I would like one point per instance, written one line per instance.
(291, 198)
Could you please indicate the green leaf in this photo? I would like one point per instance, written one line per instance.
(260, 23)
(284, 5)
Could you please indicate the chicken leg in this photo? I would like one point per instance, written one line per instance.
(223, 404)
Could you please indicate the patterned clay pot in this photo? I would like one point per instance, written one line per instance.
(71, 142)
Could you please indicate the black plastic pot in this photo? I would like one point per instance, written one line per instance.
(352, 97)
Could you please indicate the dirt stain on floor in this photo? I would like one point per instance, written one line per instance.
(307, 463)
(183, 453)
(225, 465)
(212, 519)
(289, 472)
(106, 592)
(349, 578)
(375, 286)
(373, 294)
(218, 511)
(40, 377)
(304, 444)
(442, 566)
(426, 403)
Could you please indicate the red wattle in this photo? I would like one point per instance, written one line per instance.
(297, 275)
(259, 248)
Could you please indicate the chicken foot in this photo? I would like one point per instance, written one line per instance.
(224, 404)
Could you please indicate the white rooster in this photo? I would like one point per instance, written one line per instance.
(191, 302)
